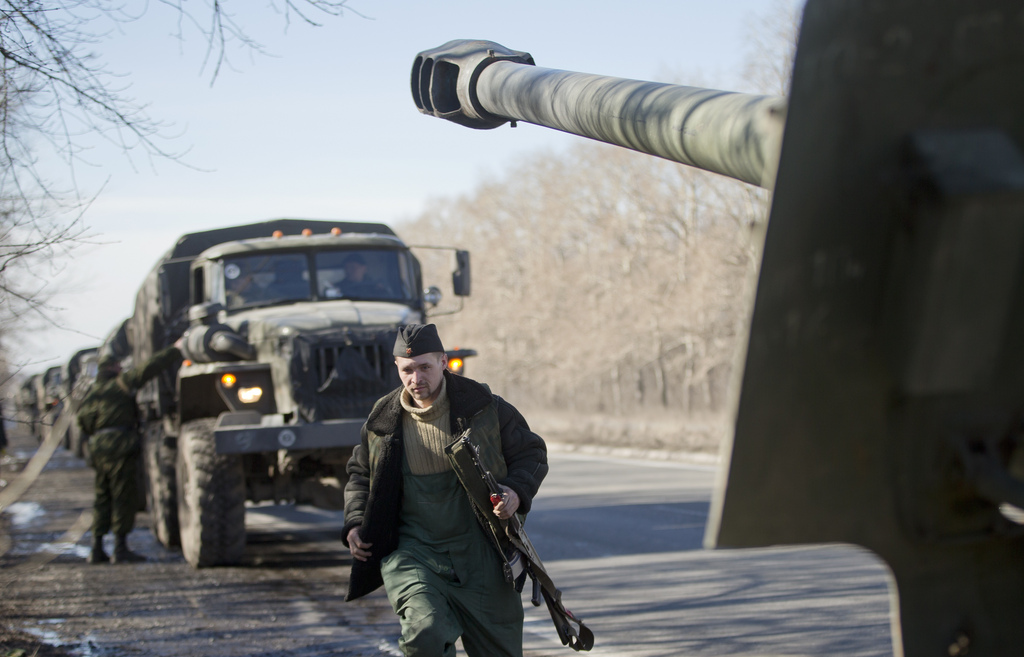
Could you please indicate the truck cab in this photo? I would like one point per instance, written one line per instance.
(287, 345)
(293, 336)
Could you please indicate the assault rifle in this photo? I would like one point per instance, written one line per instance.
(514, 545)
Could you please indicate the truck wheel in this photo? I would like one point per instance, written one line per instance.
(86, 454)
(75, 438)
(211, 499)
(65, 440)
(161, 487)
(44, 428)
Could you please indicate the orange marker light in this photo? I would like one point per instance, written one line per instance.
(186, 363)
(335, 231)
(228, 380)
(455, 364)
(306, 232)
(277, 234)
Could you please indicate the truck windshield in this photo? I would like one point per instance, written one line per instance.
(370, 274)
(358, 274)
(268, 278)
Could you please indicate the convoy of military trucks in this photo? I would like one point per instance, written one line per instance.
(42, 398)
(288, 327)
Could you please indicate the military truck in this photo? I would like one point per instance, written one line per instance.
(49, 401)
(25, 404)
(882, 389)
(288, 328)
(76, 376)
(116, 344)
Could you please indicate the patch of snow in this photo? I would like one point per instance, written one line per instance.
(24, 513)
(66, 548)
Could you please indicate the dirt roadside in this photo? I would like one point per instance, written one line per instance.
(287, 599)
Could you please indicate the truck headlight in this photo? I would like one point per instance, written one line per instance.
(250, 395)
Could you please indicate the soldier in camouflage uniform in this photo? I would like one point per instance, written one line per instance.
(108, 416)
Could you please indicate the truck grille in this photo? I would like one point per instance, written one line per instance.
(376, 355)
(341, 373)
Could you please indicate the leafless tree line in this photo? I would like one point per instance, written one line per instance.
(606, 283)
(612, 289)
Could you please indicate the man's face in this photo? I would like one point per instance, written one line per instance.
(421, 376)
(355, 271)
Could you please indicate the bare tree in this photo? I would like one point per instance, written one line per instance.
(772, 47)
(56, 93)
(610, 287)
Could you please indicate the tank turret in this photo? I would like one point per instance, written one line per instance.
(882, 393)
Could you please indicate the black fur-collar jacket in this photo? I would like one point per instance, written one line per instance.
(374, 504)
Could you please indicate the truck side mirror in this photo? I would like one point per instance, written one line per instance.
(461, 280)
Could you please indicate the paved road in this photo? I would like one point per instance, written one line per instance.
(622, 540)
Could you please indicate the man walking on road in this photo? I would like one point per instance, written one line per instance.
(108, 416)
(410, 524)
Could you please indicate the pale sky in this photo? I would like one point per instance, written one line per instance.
(325, 128)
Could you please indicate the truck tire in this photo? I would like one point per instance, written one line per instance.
(141, 489)
(65, 440)
(75, 438)
(161, 485)
(211, 499)
(44, 427)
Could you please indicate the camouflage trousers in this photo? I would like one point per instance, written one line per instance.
(115, 457)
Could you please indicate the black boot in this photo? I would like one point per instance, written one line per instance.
(97, 555)
(121, 552)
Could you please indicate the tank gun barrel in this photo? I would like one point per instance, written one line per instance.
(481, 84)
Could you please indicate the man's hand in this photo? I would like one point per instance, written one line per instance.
(359, 549)
(508, 504)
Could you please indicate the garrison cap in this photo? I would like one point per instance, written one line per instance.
(416, 339)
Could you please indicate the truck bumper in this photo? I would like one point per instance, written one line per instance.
(246, 432)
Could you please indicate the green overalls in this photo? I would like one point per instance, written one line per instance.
(445, 578)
